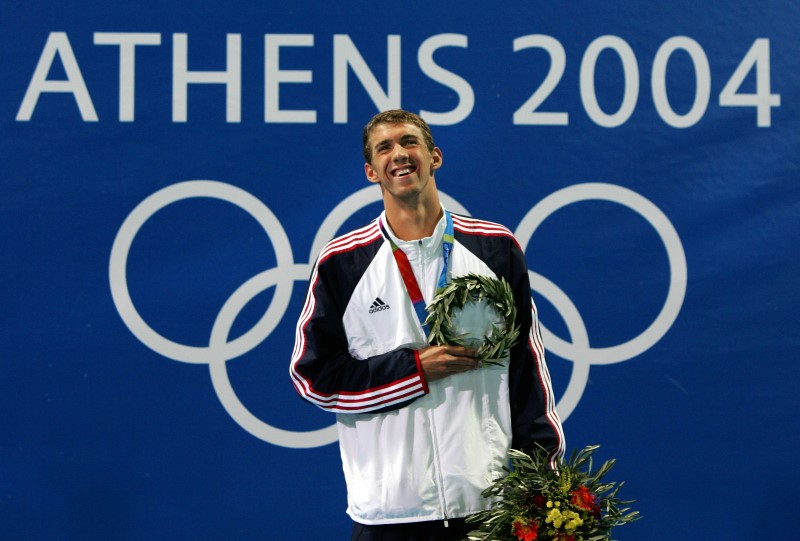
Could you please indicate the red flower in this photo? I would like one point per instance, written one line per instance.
(526, 532)
(540, 501)
(581, 497)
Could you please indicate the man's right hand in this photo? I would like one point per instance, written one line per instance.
(442, 361)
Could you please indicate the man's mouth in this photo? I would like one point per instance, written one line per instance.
(404, 171)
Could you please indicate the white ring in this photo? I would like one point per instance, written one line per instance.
(675, 253)
(117, 269)
(219, 374)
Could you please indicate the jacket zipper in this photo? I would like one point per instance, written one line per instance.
(437, 466)
(436, 461)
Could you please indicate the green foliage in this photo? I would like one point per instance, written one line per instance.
(473, 287)
(537, 502)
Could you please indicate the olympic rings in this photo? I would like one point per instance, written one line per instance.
(220, 350)
(579, 351)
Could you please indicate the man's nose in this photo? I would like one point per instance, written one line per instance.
(399, 153)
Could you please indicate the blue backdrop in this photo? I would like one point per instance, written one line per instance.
(169, 172)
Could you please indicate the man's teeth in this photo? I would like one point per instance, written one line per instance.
(403, 172)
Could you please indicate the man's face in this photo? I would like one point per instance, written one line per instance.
(401, 163)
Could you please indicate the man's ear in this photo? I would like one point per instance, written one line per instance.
(436, 158)
(372, 175)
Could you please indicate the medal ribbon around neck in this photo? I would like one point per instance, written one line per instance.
(410, 281)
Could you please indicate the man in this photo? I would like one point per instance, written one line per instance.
(422, 429)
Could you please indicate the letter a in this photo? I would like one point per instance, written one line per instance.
(57, 44)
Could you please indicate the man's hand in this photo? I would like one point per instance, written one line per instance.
(441, 361)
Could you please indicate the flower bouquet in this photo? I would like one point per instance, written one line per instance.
(477, 312)
(536, 502)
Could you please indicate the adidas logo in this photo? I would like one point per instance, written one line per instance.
(378, 305)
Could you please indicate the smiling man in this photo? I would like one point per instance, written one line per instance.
(422, 429)
(401, 158)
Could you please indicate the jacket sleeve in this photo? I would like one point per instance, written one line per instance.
(533, 415)
(323, 371)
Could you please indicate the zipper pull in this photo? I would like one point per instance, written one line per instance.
(446, 524)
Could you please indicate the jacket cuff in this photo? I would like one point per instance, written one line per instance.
(421, 373)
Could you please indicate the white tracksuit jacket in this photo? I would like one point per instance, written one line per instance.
(413, 450)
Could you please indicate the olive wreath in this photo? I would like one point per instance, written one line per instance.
(474, 287)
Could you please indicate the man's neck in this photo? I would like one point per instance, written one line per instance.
(413, 221)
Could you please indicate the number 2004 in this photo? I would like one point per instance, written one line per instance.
(757, 58)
